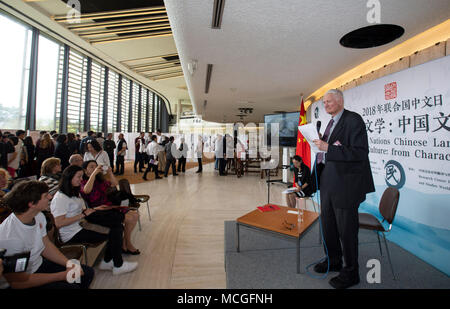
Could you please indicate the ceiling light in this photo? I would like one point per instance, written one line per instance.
(192, 66)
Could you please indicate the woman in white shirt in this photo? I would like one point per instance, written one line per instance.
(68, 209)
(96, 153)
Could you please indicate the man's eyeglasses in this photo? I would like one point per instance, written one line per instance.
(289, 226)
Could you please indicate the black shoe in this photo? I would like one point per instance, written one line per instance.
(321, 268)
(175, 174)
(159, 177)
(137, 252)
(339, 283)
(145, 178)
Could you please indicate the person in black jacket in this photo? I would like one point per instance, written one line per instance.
(109, 145)
(62, 150)
(5, 148)
(345, 179)
(72, 143)
(303, 181)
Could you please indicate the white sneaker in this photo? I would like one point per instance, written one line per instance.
(125, 268)
(106, 265)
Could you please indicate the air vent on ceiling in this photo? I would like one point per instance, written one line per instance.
(217, 14)
(208, 77)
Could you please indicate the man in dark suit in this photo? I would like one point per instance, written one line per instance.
(345, 179)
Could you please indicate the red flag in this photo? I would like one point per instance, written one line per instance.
(303, 149)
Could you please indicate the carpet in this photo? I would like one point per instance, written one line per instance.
(268, 262)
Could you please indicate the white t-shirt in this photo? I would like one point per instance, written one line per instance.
(62, 205)
(17, 237)
(101, 158)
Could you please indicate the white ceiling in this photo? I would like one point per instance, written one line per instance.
(268, 51)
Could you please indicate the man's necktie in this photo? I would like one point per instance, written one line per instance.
(320, 155)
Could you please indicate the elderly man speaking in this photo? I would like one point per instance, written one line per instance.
(345, 178)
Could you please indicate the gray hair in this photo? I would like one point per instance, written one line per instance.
(74, 157)
(337, 94)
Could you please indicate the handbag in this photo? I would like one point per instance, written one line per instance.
(94, 227)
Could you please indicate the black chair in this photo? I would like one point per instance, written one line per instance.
(124, 185)
(388, 208)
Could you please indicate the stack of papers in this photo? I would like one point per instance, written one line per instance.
(309, 132)
(289, 190)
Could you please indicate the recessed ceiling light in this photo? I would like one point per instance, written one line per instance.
(372, 36)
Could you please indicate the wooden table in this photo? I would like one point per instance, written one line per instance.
(272, 222)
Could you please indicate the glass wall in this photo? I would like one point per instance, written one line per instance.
(135, 107)
(113, 94)
(15, 67)
(125, 104)
(97, 91)
(144, 115)
(70, 87)
(49, 55)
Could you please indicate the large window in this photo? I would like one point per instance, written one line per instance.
(135, 108)
(144, 115)
(125, 104)
(15, 67)
(49, 55)
(76, 91)
(113, 93)
(97, 89)
(68, 84)
(151, 126)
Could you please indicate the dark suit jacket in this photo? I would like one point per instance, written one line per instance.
(347, 177)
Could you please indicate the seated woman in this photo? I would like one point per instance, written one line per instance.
(51, 174)
(67, 208)
(95, 152)
(4, 179)
(94, 189)
(303, 182)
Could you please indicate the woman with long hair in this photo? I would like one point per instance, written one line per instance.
(29, 169)
(68, 209)
(94, 190)
(14, 157)
(44, 150)
(303, 181)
